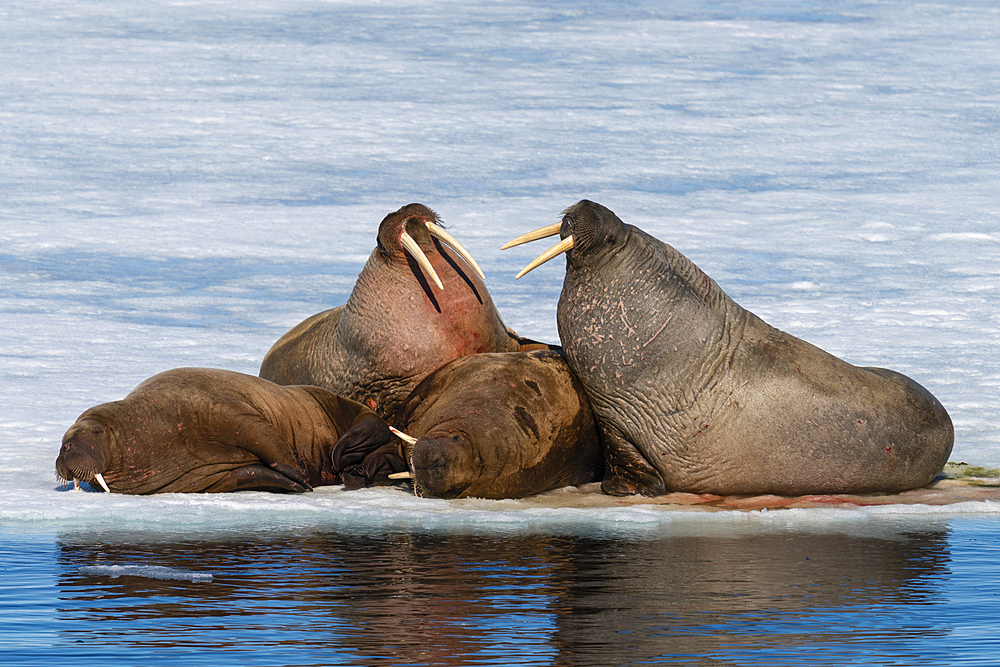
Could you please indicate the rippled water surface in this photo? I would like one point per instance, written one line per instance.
(877, 594)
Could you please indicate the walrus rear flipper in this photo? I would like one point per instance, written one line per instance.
(256, 477)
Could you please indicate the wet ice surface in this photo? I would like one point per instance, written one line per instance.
(182, 182)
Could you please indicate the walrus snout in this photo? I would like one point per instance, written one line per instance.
(81, 454)
(443, 466)
(413, 225)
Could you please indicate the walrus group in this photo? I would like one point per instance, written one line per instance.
(662, 383)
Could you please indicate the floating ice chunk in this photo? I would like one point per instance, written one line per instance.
(145, 571)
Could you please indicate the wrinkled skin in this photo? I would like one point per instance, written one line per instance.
(500, 426)
(206, 430)
(397, 326)
(693, 393)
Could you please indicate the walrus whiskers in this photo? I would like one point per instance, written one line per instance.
(411, 247)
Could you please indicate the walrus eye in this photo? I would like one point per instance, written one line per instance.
(97, 430)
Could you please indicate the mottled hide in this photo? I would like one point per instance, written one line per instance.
(693, 393)
(207, 430)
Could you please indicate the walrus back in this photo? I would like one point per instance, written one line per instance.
(293, 359)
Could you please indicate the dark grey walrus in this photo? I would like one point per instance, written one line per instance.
(206, 430)
(694, 393)
(419, 302)
(500, 425)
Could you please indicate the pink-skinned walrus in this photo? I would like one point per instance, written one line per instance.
(419, 302)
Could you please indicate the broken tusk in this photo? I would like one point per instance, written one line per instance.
(100, 480)
(411, 247)
(402, 436)
(543, 233)
(76, 484)
(440, 232)
(554, 251)
(401, 475)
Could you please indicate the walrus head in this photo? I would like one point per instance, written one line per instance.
(587, 230)
(444, 465)
(84, 451)
(404, 234)
(419, 302)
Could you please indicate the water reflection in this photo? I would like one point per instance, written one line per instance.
(455, 599)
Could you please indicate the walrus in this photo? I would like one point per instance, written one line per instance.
(193, 430)
(493, 425)
(694, 393)
(419, 302)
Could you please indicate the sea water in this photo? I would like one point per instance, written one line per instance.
(182, 182)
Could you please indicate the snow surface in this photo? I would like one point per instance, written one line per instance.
(183, 181)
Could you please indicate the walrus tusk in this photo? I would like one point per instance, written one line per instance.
(409, 439)
(100, 480)
(543, 233)
(554, 251)
(76, 484)
(411, 247)
(440, 232)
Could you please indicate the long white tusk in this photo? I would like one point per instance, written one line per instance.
(440, 232)
(402, 436)
(543, 233)
(554, 251)
(418, 254)
(100, 480)
(401, 475)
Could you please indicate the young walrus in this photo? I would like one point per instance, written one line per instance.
(500, 425)
(207, 430)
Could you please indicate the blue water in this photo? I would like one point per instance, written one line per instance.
(885, 594)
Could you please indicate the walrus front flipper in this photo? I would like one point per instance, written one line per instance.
(375, 469)
(291, 473)
(255, 477)
(358, 442)
(627, 473)
(366, 454)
